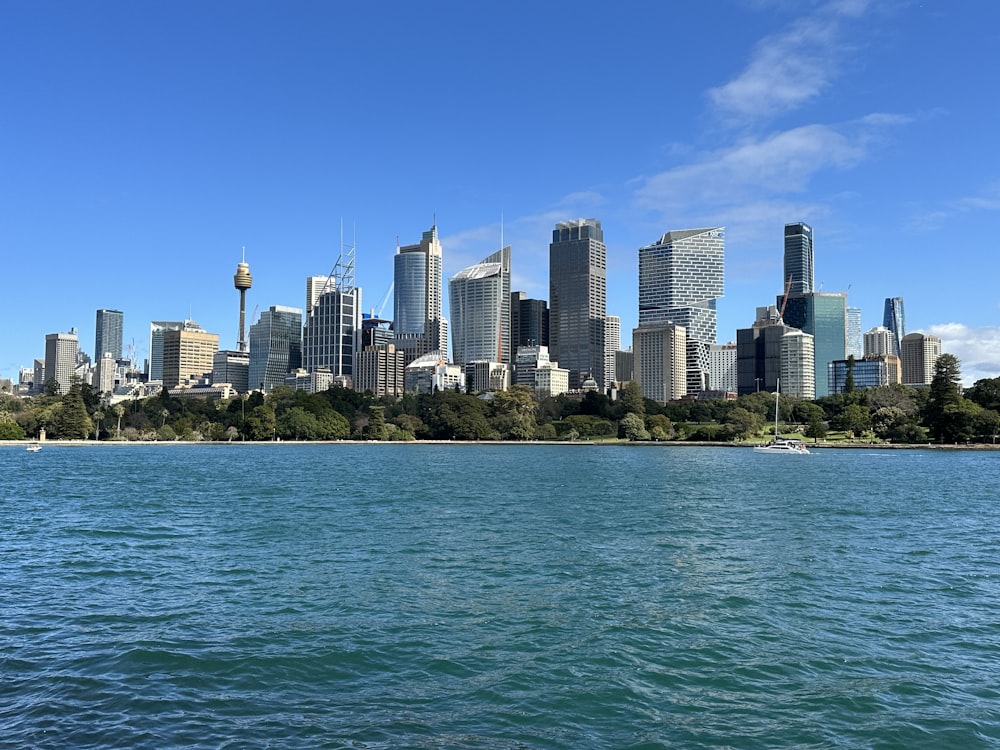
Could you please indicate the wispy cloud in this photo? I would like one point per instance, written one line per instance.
(927, 219)
(977, 349)
(791, 67)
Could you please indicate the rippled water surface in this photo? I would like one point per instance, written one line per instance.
(465, 596)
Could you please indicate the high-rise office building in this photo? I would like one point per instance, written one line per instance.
(612, 343)
(855, 341)
(479, 298)
(418, 325)
(108, 336)
(332, 332)
(824, 316)
(381, 369)
(578, 299)
(188, 354)
(275, 347)
(154, 369)
(661, 361)
(799, 269)
(895, 320)
(529, 321)
(680, 281)
(60, 358)
(918, 355)
(233, 367)
(758, 355)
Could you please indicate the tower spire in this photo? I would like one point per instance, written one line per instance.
(242, 280)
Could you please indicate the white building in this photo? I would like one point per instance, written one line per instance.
(722, 367)
(661, 361)
(798, 364)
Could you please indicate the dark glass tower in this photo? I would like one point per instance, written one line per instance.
(895, 321)
(529, 321)
(578, 299)
(799, 258)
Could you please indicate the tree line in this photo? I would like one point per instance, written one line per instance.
(941, 413)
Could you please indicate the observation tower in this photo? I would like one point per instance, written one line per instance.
(242, 280)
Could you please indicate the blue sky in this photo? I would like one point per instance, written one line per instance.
(142, 145)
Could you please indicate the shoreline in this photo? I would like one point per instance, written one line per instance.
(591, 443)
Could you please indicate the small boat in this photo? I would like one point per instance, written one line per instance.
(34, 447)
(779, 444)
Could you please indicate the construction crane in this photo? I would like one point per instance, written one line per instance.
(784, 300)
(385, 300)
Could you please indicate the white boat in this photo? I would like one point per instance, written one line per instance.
(778, 443)
(34, 447)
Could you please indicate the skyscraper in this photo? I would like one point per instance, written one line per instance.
(188, 354)
(919, 354)
(108, 336)
(661, 361)
(157, 328)
(60, 358)
(418, 325)
(799, 258)
(529, 321)
(680, 280)
(578, 299)
(479, 297)
(612, 343)
(824, 316)
(332, 332)
(855, 341)
(275, 347)
(895, 320)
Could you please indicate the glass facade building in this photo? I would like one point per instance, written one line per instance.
(108, 334)
(275, 347)
(417, 291)
(479, 297)
(578, 299)
(895, 320)
(332, 333)
(681, 278)
(798, 258)
(529, 321)
(824, 316)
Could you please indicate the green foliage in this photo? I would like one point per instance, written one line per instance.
(744, 424)
(376, 424)
(947, 415)
(11, 431)
(632, 398)
(854, 419)
(659, 427)
(450, 415)
(512, 413)
(633, 427)
(72, 421)
(584, 425)
(985, 393)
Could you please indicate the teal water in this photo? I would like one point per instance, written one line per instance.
(468, 596)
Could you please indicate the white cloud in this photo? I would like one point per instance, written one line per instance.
(933, 218)
(977, 349)
(791, 67)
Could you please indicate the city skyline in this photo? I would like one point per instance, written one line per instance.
(141, 176)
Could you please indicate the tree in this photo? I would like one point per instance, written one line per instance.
(376, 423)
(72, 421)
(119, 411)
(945, 414)
(297, 424)
(513, 413)
(632, 399)
(11, 431)
(633, 428)
(854, 419)
(98, 416)
(744, 424)
(986, 393)
(659, 427)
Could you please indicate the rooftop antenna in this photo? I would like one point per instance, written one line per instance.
(341, 277)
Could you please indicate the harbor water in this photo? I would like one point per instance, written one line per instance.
(497, 596)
